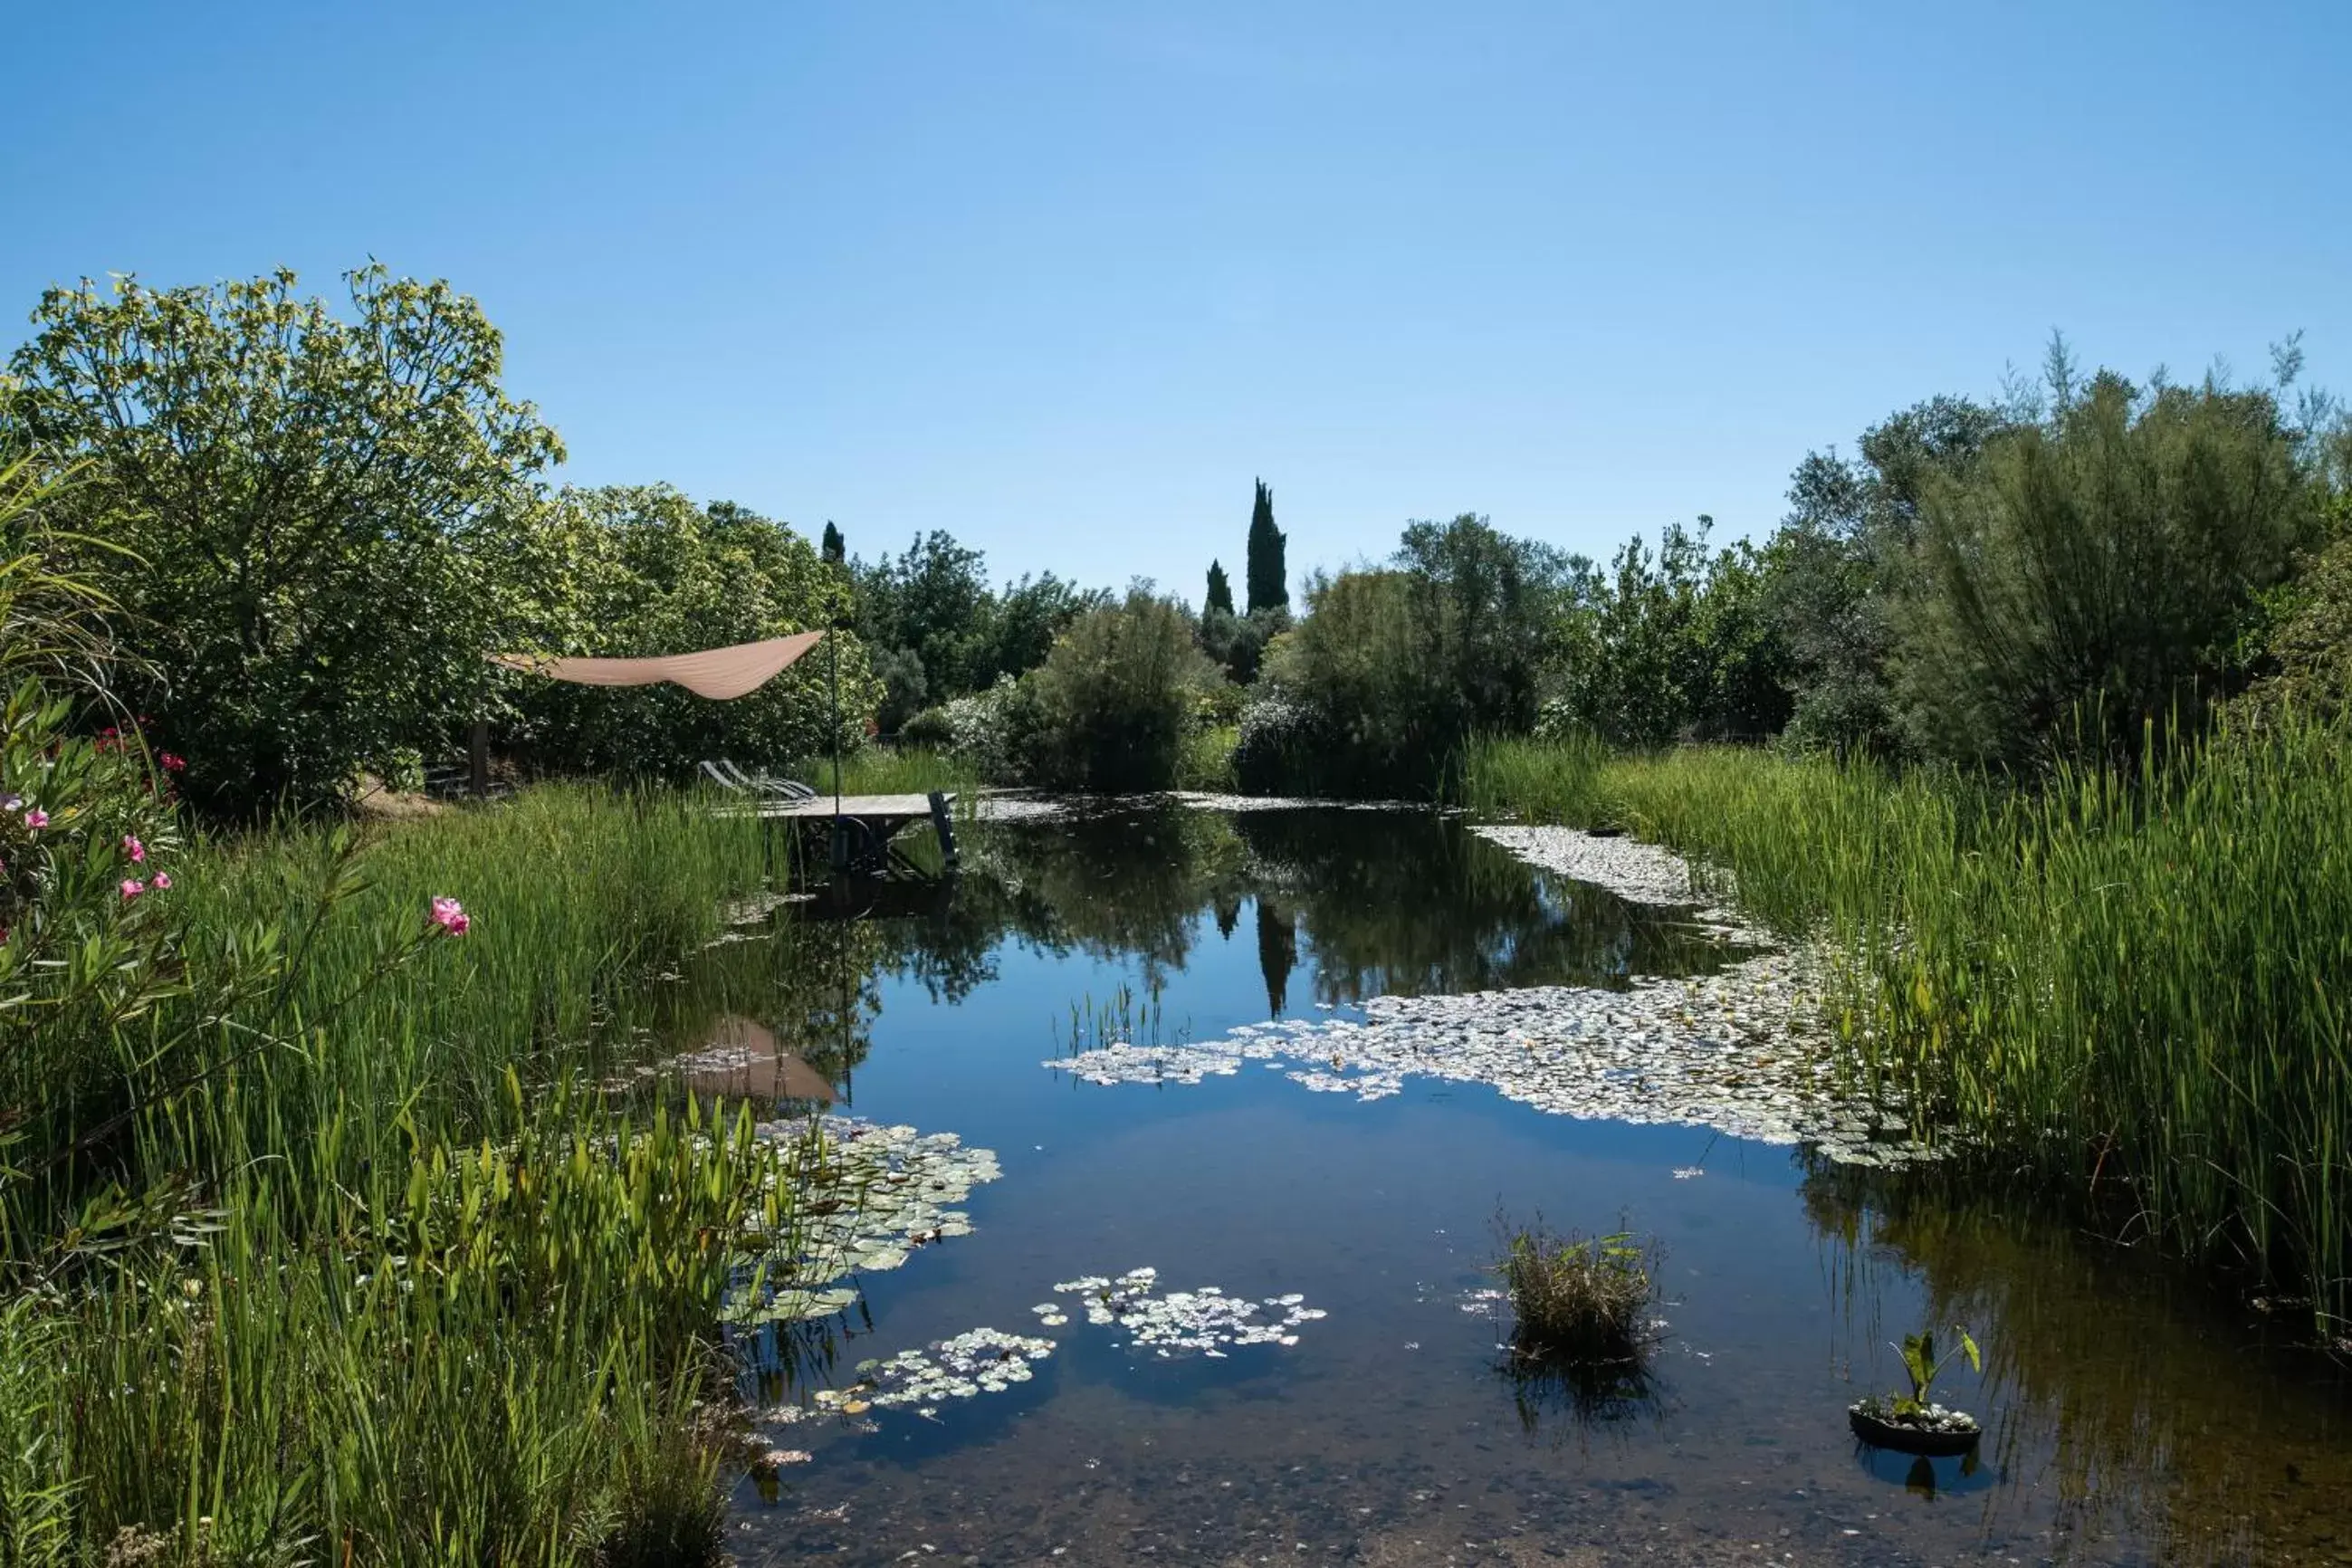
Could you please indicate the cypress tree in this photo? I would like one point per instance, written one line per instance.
(837, 548)
(1269, 586)
(1220, 592)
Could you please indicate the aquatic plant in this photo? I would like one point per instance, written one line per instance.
(1923, 1366)
(1172, 1322)
(1580, 1305)
(2129, 981)
(1916, 1422)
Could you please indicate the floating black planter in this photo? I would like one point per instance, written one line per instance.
(1953, 1433)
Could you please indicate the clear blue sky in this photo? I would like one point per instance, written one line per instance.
(1062, 276)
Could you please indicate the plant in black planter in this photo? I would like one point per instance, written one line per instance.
(1917, 1423)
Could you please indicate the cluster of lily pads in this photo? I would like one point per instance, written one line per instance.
(1205, 1320)
(871, 1194)
(1637, 872)
(1205, 800)
(981, 1361)
(1005, 805)
(1720, 1051)
(989, 1360)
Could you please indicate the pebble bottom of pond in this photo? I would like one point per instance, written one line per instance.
(1222, 1318)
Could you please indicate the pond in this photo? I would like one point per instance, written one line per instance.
(2130, 1417)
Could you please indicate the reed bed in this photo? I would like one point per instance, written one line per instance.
(417, 1291)
(2130, 983)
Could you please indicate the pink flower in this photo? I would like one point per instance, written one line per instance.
(133, 847)
(132, 889)
(174, 765)
(450, 916)
(36, 819)
(162, 883)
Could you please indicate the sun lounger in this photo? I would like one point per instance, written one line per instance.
(785, 789)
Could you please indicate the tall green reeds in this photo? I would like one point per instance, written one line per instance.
(392, 1280)
(2131, 982)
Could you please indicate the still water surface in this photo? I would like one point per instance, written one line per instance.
(2130, 1419)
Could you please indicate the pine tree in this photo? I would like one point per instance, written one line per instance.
(1220, 592)
(1269, 586)
(837, 548)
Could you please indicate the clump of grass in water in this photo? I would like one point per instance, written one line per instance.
(1121, 1020)
(1582, 1309)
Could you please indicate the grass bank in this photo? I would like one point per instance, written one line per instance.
(387, 1280)
(2132, 985)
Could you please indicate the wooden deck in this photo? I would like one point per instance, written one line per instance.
(868, 823)
(873, 808)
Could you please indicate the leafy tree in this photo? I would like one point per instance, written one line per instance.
(1269, 581)
(1219, 599)
(939, 632)
(1237, 643)
(1484, 604)
(933, 600)
(329, 520)
(1113, 700)
(660, 575)
(1023, 621)
(1393, 669)
(2099, 568)
(837, 548)
(1838, 560)
(1681, 645)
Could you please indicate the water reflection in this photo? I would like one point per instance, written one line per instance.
(2129, 1390)
(2126, 1419)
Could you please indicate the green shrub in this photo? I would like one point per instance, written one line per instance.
(931, 729)
(1114, 698)
(1207, 763)
(1393, 670)
(318, 522)
(2098, 573)
(2309, 647)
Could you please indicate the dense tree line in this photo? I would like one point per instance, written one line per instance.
(311, 523)
(2089, 561)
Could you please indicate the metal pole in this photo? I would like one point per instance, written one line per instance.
(840, 846)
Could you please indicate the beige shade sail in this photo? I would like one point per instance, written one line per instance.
(719, 673)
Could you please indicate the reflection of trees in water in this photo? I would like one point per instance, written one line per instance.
(1277, 950)
(1111, 884)
(1381, 902)
(2160, 1413)
(1408, 903)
